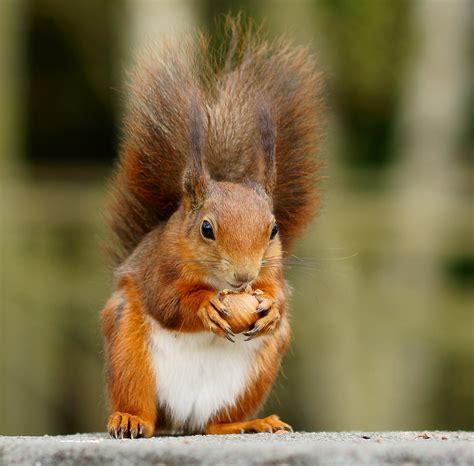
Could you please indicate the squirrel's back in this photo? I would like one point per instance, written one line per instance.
(182, 92)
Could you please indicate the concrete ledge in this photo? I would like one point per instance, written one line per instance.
(354, 448)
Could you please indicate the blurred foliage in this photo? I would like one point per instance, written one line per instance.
(71, 61)
(460, 270)
(454, 389)
(369, 43)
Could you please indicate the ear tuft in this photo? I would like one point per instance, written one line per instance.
(196, 177)
(267, 127)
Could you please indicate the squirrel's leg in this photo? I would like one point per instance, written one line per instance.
(265, 369)
(267, 424)
(130, 380)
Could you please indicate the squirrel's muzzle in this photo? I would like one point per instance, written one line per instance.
(242, 279)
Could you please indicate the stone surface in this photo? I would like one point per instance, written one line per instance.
(352, 448)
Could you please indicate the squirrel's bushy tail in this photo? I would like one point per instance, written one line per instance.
(227, 89)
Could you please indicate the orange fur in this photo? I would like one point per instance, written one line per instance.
(130, 382)
(230, 144)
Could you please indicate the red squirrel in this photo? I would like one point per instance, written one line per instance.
(216, 179)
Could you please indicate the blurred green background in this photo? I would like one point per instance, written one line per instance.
(382, 313)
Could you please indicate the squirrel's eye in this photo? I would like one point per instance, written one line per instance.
(207, 231)
(274, 232)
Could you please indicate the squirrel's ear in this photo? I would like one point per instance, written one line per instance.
(268, 134)
(196, 178)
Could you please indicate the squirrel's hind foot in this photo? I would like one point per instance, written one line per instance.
(270, 424)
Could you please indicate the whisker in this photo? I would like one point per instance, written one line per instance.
(199, 261)
(315, 259)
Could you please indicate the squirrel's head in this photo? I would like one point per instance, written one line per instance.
(231, 234)
(230, 228)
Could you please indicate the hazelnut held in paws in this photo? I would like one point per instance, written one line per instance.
(242, 309)
(216, 180)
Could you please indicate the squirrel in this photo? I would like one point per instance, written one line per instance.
(217, 177)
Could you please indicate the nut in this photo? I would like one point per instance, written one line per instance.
(241, 307)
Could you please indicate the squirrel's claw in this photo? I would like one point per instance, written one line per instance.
(218, 305)
(266, 324)
(124, 425)
(251, 333)
(265, 304)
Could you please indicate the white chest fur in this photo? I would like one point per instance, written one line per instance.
(197, 374)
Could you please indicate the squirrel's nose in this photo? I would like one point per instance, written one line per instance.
(244, 277)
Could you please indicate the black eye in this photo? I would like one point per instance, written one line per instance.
(207, 231)
(274, 232)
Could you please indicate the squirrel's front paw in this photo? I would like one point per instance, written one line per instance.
(123, 425)
(212, 315)
(266, 324)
